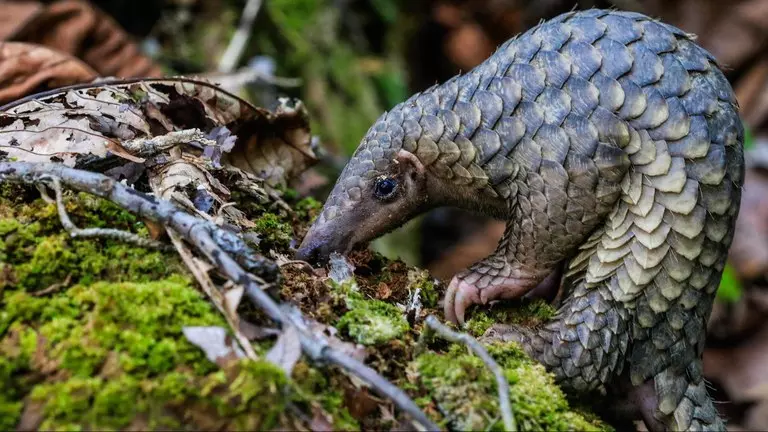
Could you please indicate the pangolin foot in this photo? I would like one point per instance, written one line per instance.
(470, 288)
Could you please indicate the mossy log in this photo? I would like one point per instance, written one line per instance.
(91, 337)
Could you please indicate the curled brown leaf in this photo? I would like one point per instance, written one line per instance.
(78, 28)
(29, 68)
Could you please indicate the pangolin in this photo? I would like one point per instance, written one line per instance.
(612, 146)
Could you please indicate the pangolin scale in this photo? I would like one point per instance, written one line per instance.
(611, 144)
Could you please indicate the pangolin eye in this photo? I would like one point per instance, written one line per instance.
(385, 187)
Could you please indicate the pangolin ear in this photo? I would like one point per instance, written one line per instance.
(410, 163)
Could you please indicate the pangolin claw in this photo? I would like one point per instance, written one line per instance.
(460, 296)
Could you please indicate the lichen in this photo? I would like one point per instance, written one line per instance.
(460, 383)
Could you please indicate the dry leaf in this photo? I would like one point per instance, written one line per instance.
(76, 123)
(77, 28)
(321, 420)
(356, 351)
(232, 299)
(287, 350)
(215, 343)
(28, 68)
(284, 154)
(360, 402)
(253, 332)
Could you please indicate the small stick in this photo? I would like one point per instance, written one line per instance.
(307, 266)
(116, 234)
(213, 293)
(248, 75)
(145, 147)
(501, 381)
(53, 288)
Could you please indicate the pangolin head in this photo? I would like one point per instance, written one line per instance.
(381, 187)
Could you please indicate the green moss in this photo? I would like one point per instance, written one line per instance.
(255, 397)
(528, 312)
(367, 321)
(118, 352)
(314, 384)
(308, 208)
(106, 350)
(273, 232)
(462, 384)
(40, 254)
(372, 322)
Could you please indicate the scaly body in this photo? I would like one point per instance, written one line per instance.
(611, 143)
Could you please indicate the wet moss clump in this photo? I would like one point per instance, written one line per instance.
(367, 321)
(460, 383)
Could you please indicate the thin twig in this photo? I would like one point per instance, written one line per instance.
(116, 234)
(307, 266)
(237, 45)
(53, 288)
(501, 381)
(44, 194)
(203, 235)
(145, 147)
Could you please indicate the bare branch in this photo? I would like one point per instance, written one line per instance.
(217, 245)
(501, 381)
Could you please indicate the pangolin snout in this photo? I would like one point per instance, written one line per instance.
(312, 252)
(318, 245)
